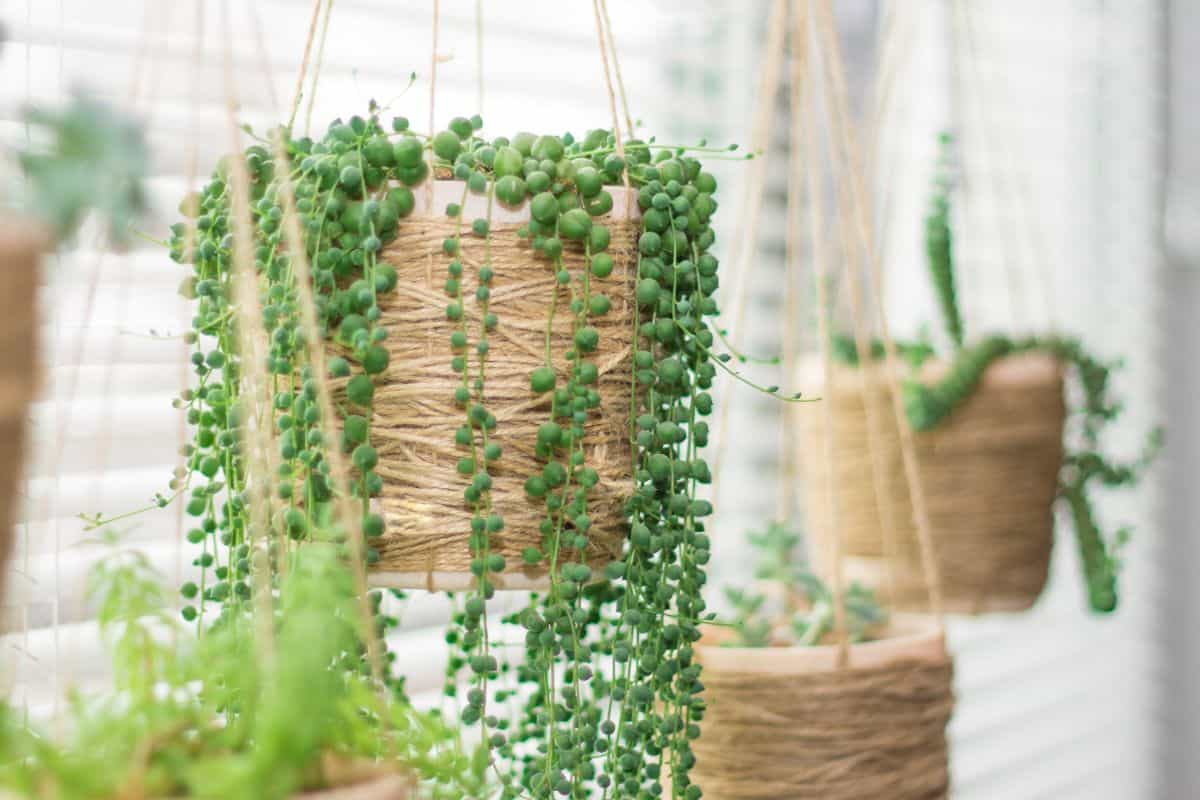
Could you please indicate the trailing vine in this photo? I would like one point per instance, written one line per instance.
(939, 247)
(607, 698)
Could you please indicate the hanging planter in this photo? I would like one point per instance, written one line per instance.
(991, 477)
(994, 450)
(793, 712)
(415, 416)
(516, 338)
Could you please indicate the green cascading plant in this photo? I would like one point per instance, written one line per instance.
(1085, 467)
(606, 698)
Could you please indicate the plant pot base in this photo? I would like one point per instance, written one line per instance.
(788, 722)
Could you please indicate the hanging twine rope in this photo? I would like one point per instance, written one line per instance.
(1019, 197)
(478, 57)
(433, 65)
(612, 45)
(316, 75)
(874, 405)
(251, 334)
(801, 112)
(303, 71)
(750, 210)
(347, 516)
(608, 85)
(846, 158)
(786, 492)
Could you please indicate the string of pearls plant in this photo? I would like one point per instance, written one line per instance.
(607, 694)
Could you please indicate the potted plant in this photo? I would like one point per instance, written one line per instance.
(813, 694)
(515, 335)
(254, 709)
(82, 157)
(996, 454)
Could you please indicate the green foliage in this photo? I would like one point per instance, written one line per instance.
(1085, 468)
(222, 716)
(939, 247)
(800, 610)
(88, 157)
(600, 653)
(844, 350)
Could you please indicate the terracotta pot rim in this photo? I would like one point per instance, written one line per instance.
(909, 637)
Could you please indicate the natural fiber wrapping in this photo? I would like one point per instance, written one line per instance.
(20, 250)
(427, 520)
(789, 723)
(990, 473)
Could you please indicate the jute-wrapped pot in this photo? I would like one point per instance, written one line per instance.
(789, 722)
(427, 520)
(990, 475)
(21, 244)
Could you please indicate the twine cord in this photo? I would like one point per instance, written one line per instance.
(433, 65)
(612, 45)
(836, 87)
(251, 332)
(316, 76)
(852, 260)
(750, 211)
(608, 85)
(478, 56)
(303, 71)
(785, 495)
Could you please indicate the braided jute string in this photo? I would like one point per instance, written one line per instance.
(415, 416)
(252, 329)
(608, 85)
(793, 725)
(433, 64)
(859, 213)
(616, 63)
(745, 239)
(991, 473)
(316, 74)
(303, 71)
